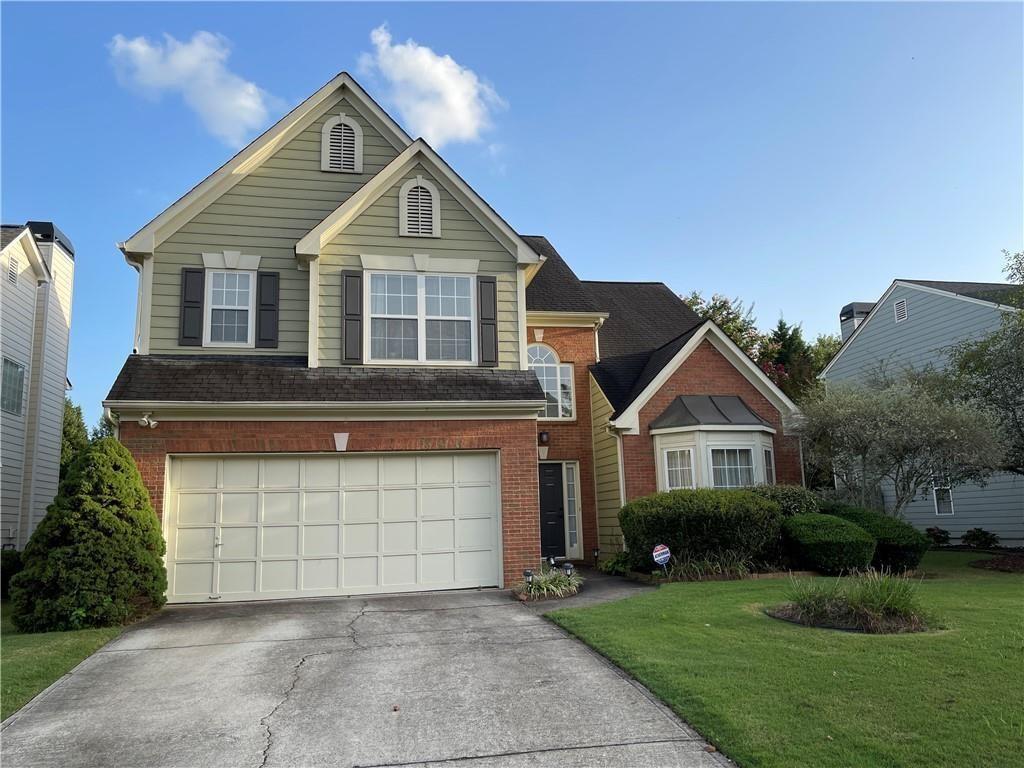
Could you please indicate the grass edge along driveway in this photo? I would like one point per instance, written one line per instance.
(31, 662)
(768, 693)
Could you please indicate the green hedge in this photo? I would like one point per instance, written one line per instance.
(792, 499)
(96, 558)
(10, 564)
(900, 546)
(827, 544)
(701, 523)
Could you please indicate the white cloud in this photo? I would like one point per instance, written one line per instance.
(230, 107)
(437, 98)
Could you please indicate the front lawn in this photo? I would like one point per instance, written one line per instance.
(29, 663)
(769, 693)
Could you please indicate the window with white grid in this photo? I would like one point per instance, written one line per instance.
(230, 310)
(732, 467)
(555, 379)
(679, 468)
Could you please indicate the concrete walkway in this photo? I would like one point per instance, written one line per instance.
(472, 678)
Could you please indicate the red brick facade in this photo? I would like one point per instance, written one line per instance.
(572, 440)
(516, 439)
(705, 372)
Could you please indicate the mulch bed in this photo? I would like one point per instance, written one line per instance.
(847, 623)
(1012, 562)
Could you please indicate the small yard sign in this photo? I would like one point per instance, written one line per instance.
(661, 555)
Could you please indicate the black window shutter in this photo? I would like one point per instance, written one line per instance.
(487, 319)
(351, 317)
(268, 301)
(190, 331)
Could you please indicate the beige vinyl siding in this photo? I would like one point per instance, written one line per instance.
(606, 472)
(18, 309)
(265, 215)
(47, 388)
(375, 232)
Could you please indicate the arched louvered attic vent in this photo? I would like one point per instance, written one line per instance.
(420, 212)
(341, 145)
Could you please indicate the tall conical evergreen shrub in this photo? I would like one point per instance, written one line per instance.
(96, 558)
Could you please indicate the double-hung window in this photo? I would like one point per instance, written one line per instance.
(421, 318)
(230, 313)
(769, 467)
(555, 379)
(679, 469)
(942, 493)
(12, 388)
(732, 467)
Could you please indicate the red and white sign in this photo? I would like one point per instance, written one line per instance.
(661, 554)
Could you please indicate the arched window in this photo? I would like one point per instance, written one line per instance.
(420, 209)
(555, 379)
(341, 145)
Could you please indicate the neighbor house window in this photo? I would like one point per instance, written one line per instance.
(419, 209)
(12, 389)
(942, 492)
(555, 379)
(769, 467)
(341, 145)
(679, 469)
(732, 467)
(230, 313)
(421, 318)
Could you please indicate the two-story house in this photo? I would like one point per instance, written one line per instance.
(351, 375)
(913, 326)
(38, 263)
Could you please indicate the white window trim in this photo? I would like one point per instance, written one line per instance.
(403, 207)
(325, 143)
(24, 381)
(769, 451)
(572, 382)
(421, 322)
(693, 470)
(935, 500)
(208, 310)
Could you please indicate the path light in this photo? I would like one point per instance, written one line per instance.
(568, 568)
(597, 555)
(528, 575)
(551, 562)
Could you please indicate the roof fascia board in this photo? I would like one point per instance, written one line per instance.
(252, 156)
(552, 319)
(35, 256)
(418, 152)
(715, 428)
(629, 419)
(960, 296)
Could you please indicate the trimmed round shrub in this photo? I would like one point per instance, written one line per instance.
(701, 523)
(827, 544)
(95, 559)
(899, 546)
(979, 538)
(938, 536)
(792, 499)
(10, 564)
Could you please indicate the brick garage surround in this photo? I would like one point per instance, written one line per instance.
(516, 439)
(705, 372)
(573, 440)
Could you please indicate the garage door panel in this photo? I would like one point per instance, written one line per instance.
(276, 526)
(240, 507)
(197, 508)
(321, 540)
(280, 507)
(238, 578)
(238, 542)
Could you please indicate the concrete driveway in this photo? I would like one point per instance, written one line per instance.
(471, 678)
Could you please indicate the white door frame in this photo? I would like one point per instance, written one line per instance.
(577, 552)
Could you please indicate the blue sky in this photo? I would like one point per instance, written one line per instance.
(798, 156)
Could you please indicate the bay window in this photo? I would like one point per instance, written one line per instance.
(732, 467)
(679, 469)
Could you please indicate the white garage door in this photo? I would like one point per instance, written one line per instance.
(272, 526)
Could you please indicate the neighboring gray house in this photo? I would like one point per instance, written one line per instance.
(35, 306)
(913, 325)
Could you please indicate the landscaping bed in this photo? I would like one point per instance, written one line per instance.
(775, 695)
(1011, 562)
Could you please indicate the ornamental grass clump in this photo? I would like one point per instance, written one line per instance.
(549, 583)
(875, 602)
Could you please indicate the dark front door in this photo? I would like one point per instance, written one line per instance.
(552, 511)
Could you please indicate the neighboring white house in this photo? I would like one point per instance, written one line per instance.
(35, 322)
(911, 326)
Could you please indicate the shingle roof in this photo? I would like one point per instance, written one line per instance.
(251, 378)
(703, 410)
(555, 287)
(984, 291)
(8, 232)
(641, 316)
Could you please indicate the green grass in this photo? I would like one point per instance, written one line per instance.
(29, 663)
(768, 693)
